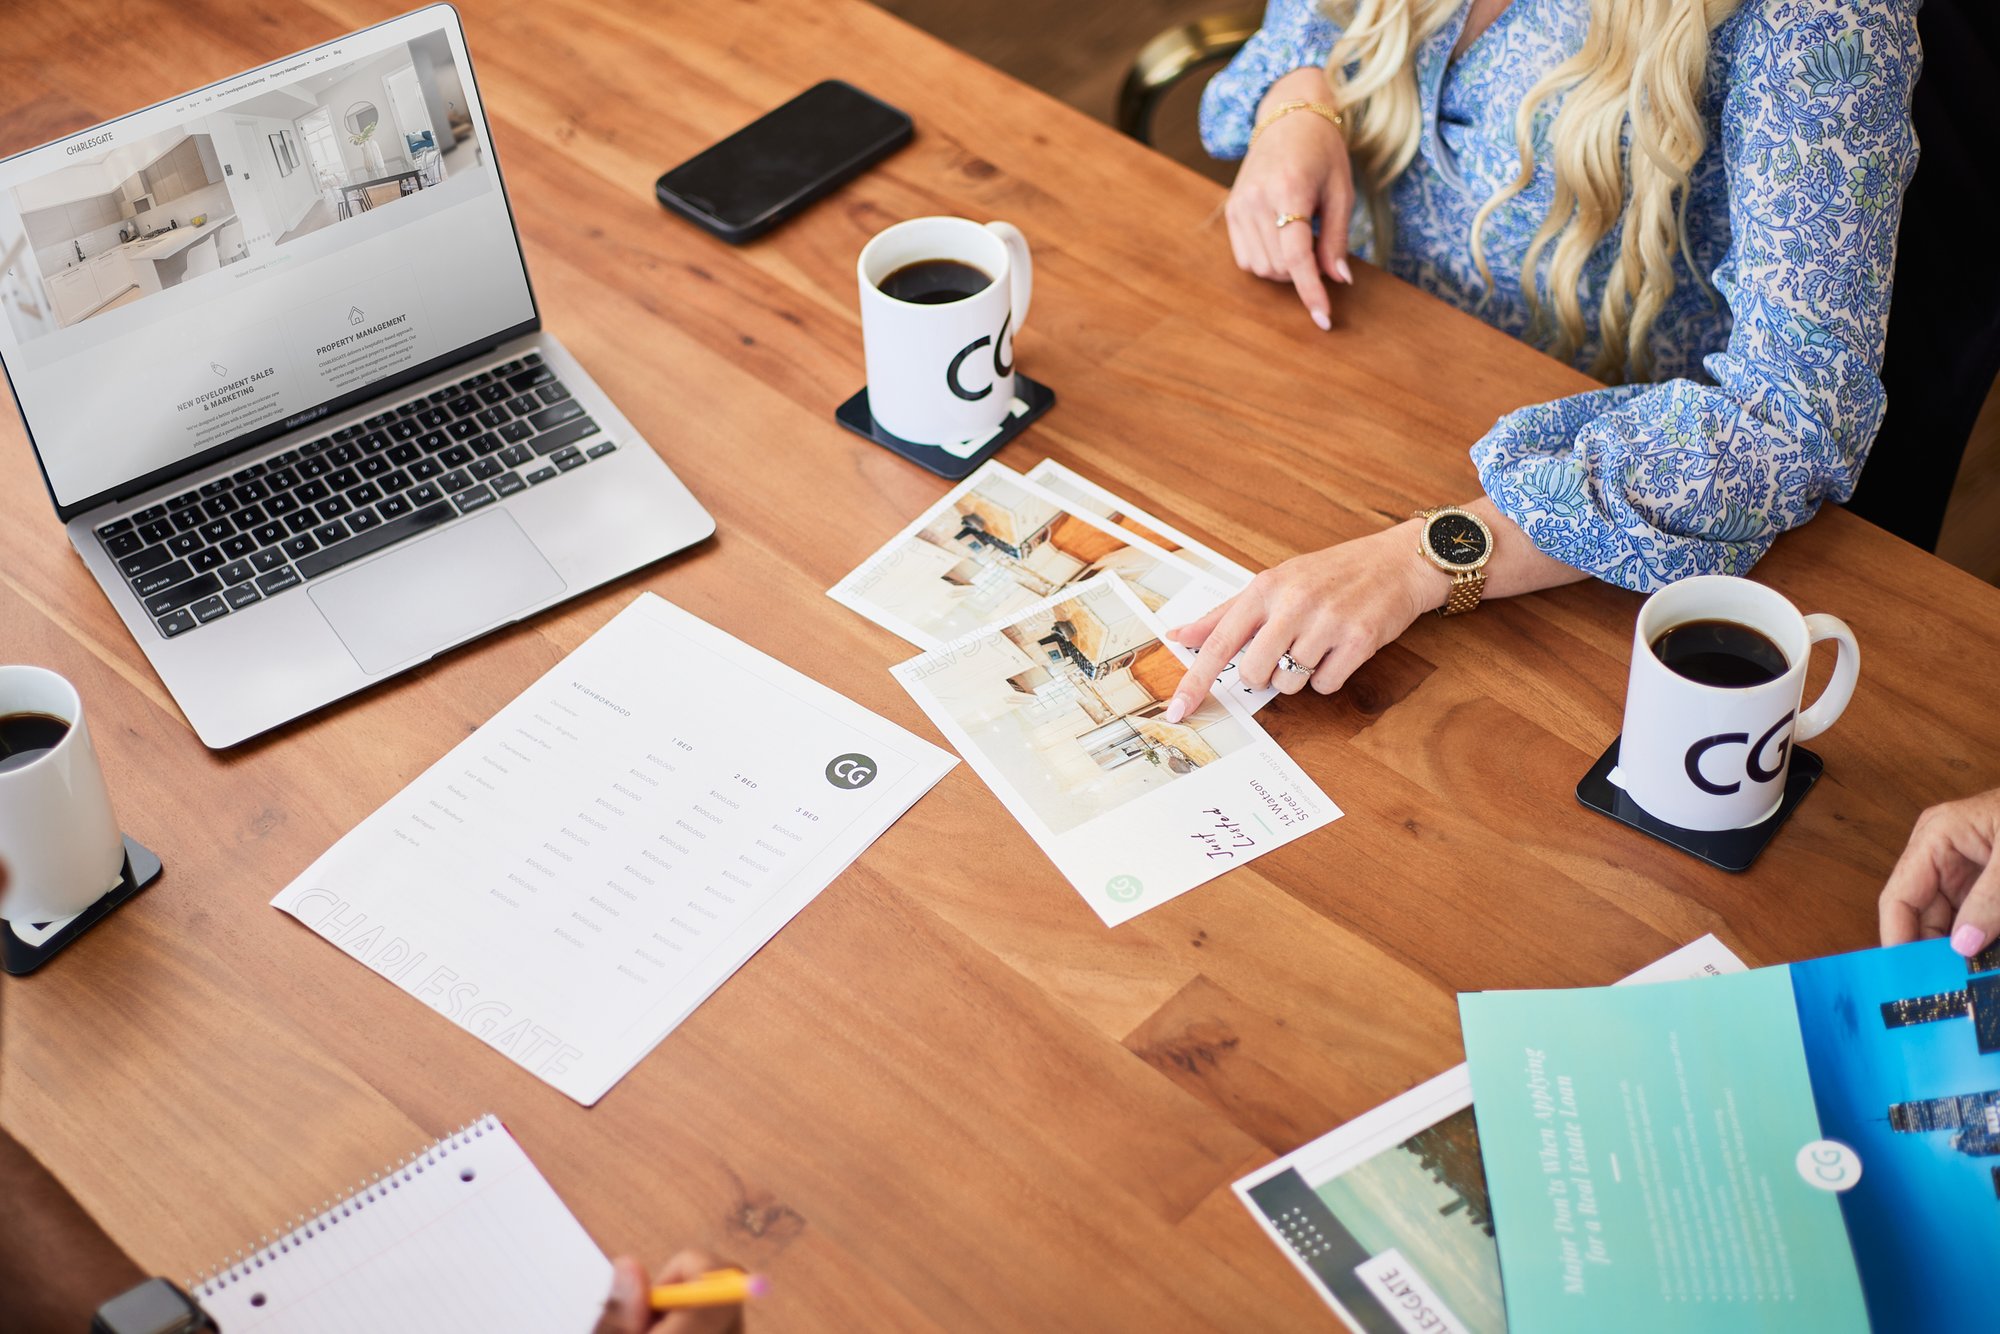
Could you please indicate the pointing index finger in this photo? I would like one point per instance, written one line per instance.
(1217, 652)
(1295, 251)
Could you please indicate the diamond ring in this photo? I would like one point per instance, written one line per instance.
(1287, 663)
(1285, 219)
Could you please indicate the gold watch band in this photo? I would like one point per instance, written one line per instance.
(1466, 589)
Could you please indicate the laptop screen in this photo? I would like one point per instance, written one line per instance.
(234, 263)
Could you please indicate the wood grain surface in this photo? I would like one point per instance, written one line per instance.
(944, 1096)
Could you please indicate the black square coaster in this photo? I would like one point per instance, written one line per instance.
(952, 462)
(1728, 849)
(18, 955)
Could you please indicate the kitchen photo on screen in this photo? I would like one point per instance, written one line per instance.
(126, 221)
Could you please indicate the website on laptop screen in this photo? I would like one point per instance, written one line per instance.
(253, 254)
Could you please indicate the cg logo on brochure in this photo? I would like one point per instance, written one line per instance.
(850, 771)
(1124, 888)
(1827, 1164)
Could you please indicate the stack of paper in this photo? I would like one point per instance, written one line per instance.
(998, 543)
(1063, 712)
(1043, 603)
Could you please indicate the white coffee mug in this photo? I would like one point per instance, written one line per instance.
(1712, 757)
(944, 374)
(62, 847)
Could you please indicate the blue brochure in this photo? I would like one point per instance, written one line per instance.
(1807, 1147)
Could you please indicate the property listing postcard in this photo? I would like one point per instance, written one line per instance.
(572, 879)
(1062, 711)
(1388, 1217)
(998, 544)
(1089, 496)
(1812, 1147)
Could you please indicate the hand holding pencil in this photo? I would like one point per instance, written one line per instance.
(693, 1294)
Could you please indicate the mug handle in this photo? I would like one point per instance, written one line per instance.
(1019, 265)
(1832, 702)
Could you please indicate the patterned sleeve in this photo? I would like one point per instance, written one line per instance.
(1294, 36)
(1645, 484)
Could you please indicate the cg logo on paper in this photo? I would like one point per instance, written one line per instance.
(850, 771)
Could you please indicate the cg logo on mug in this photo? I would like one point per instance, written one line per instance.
(1752, 763)
(1001, 369)
(850, 771)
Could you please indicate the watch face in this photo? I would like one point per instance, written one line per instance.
(1456, 539)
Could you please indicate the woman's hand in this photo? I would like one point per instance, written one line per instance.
(1947, 881)
(1331, 610)
(630, 1309)
(1297, 166)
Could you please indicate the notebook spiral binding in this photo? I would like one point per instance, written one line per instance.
(302, 1229)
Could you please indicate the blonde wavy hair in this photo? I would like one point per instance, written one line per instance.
(1643, 65)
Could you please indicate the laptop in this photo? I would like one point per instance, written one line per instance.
(278, 357)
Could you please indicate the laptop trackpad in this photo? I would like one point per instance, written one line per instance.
(436, 591)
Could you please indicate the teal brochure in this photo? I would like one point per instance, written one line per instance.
(1812, 1147)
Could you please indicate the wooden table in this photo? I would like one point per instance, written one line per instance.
(944, 1096)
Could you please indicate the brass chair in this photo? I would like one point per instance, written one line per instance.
(1172, 56)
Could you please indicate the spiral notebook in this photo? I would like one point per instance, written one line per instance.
(463, 1236)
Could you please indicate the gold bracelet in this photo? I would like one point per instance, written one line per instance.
(1320, 109)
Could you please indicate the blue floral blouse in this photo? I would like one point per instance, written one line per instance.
(1768, 398)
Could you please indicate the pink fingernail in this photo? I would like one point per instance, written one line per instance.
(1968, 940)
(1319, 318)
(1176, 709)
(1342, 272)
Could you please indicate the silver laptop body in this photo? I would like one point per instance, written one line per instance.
(417, 463)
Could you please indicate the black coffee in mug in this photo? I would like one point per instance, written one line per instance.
(26, 737)
(1720, 653)
(935, 282)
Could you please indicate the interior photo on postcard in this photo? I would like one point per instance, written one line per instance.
(996, 545)
(1070, 704)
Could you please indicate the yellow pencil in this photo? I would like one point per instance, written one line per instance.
(718, 1287)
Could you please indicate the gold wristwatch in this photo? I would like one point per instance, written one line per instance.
(1457, 542)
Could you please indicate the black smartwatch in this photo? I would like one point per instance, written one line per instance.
(154, 1307)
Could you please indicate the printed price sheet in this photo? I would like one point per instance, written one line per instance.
(570, 881)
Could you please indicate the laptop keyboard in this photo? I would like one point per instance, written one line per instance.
(305, 512)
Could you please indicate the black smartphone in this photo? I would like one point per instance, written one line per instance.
(776, 165)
